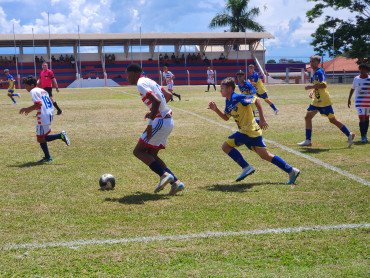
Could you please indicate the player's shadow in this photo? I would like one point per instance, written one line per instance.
(139, 198)
(314, 150)
(240, 187)
(359, 143)
(31, 164)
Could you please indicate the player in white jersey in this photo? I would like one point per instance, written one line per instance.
(210, 78)
(44, 107)
(361, 87)
(169, 77)
(160, 125)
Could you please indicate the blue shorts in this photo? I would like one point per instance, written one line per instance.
(10, 92)
(326, 111)
(263, 96)
(238, 139)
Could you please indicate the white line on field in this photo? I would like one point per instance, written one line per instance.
(310, 158)
(79, 243)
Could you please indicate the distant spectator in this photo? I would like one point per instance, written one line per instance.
(113, 57)
(160, 57)
(72, 61)
(165, 57)
(37, 60)
(173, 57)
(6, 60)
(61, 58)
(199, 57)
(194, 57)
(1, 59)
(53, 59)
(206, 61)
(42, 59)
(222, 57)
(66, 59)
(189, 58)
(14, 60)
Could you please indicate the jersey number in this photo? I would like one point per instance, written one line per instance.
(47, 101)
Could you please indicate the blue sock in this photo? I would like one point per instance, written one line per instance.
(169, 171)
(362, 128)
(273, 106)
(238, 158)
(17, 95)
(345, 130)
(258, 121)
(45, 149)
(14, 100)
(308, 134)
(157, 168)
(281, 164)
(53, 137)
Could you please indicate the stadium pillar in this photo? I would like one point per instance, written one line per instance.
(287, 75)
(127, 48)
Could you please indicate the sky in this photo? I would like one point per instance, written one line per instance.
(284, 19)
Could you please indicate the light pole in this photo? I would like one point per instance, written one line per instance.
(333, 54)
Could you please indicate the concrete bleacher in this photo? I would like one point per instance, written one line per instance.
(65, 73)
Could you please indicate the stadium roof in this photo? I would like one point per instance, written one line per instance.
(113, 39)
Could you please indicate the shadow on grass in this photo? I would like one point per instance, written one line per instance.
(313, 150)
(240, 187)
(31, 164)
(139, 198)
(359, 143)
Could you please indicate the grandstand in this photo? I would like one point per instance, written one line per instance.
(239, 49)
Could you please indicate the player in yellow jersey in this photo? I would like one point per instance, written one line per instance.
(260, 88)
(10, 80)
(321, 102)
(250, 134)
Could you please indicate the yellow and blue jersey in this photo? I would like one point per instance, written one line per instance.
(11, 82)
(257, 83)
(247, 88)
(240, 108)
(321, 96)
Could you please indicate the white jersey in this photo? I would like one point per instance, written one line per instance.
(45, 112)
(211, 77)
(362, 91)
(168, 76)
(147, 86)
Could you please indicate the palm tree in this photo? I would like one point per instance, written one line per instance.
(238, 17)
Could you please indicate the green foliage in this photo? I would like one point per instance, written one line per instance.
(351, 37)
(238, 17)
(271, 61)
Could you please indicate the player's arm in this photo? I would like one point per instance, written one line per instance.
(316, 86)
(263, 124)
(156, 102)
(349, 97)
(30, 108)
(56, 84)
(167, 95)
(38, 82)
(212, 105)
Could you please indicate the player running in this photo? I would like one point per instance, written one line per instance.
(250, 134)
(211, 78)
(247, 88)
(321, 102)
(260, 88)
(10, 80)
(160, 125)
(361, 87)
(45, 110)
(169, 77)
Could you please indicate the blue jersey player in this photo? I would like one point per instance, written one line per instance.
(249, 134)
(10, 80)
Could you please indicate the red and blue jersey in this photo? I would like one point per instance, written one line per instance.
(362, 91)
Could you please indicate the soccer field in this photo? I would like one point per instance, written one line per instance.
(55, 222)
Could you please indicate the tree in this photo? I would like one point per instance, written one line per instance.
(238, 17)
(271, 61)
(351, 37)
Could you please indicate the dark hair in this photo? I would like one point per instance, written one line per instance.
(134, 68)
(240, 73)
(364, 66)
(229, 82)
(29, 80)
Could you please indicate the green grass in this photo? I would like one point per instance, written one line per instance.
(60, 202)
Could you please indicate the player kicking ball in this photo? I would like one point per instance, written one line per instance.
(44, 107)
(250, 134)
(160, 125)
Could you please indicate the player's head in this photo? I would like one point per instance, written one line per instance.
(29, 82)
(227, 86)
(133, 73)
(251, 68)
(240, 76)
(6, 71)
(165, 68)
(364, 69)
(315, 61)
(45, 66)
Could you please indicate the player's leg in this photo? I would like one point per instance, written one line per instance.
(310, 114)
(10, 94)
(214, 86)
(62, 136)
(229, 148)
(344, 129)
(41, 133)
(363, 114)
(50, 92)
(274, 159)
(208, 87)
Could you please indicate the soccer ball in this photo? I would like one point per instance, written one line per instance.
(107, 182)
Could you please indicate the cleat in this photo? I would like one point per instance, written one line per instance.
(60, 112)
(276, 112)
(293, 175)
(351, 137)
(165, 179)
(364, 139)
(176, 186)
(180, 97)
(206, 91)
(65, 139)
(43, 160)
(305, 143)
(245, 172)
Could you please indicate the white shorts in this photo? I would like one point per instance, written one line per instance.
(170, 86)
(363, 111)
(161, 130)
(42, 130)
(211, 81)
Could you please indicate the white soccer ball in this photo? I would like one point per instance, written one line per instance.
(107, 182)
